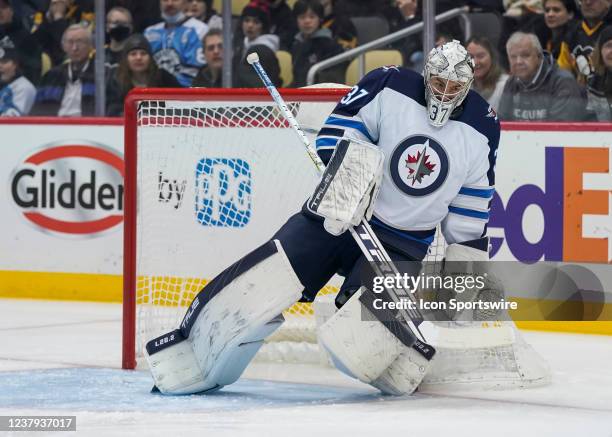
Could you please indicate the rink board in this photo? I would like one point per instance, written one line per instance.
(553, 201)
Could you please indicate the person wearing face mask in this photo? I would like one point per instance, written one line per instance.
(176, 42)
(118, 27)
(145, 13)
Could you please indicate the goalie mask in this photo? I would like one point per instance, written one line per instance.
(448, 72)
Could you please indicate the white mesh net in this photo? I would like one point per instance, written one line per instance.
(215, 180)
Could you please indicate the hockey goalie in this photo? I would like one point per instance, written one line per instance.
(403, 151)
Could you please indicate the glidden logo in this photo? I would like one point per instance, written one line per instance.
(71, 189)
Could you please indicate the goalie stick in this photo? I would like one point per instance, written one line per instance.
(363, 234)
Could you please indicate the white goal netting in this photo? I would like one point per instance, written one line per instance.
(216, 178)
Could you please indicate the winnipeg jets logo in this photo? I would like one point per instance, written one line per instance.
(418, 165)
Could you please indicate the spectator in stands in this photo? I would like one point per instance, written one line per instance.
(177, 41)
(410, 47)
(69, 89)
(17, 93)
(136, 69)
(13, 35)
(537, 89)
(582, 36)
(26, 9)
(558, 17)
(313, 44)
(119, 28)
(599, 87)
(50, 25)
(255, 37)
(210, 76)
(282, 23)
(342, 28)
(144, 12)
(524, 16)
(203, 10)
(489, 77)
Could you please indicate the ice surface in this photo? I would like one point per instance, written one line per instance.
(64, 357)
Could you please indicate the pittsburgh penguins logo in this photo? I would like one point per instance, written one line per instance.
(418, 165)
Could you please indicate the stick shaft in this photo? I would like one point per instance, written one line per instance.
(312, 153)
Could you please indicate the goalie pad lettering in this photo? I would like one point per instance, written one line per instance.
(226, 324)
(349, 186)
(405, 374)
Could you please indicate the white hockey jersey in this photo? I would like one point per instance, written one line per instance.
(17, 97)
(432, 175)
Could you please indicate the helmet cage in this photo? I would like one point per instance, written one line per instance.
(442, 103)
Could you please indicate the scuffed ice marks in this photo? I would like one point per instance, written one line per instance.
(108, 390)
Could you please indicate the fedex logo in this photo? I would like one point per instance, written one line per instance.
(575, 202)
(223, 192)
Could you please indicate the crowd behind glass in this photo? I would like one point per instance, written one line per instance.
(551, 61)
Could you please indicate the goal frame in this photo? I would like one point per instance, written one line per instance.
(130, 234)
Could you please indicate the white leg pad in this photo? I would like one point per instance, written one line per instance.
(175, 369)
(358, 348)
(404, 375)
(224, 332)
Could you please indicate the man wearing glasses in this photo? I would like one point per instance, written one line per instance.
(69, 89)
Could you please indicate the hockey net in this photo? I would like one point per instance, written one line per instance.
(212, 174)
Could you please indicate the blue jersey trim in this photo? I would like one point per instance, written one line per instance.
(353, 124)
(469, 212)
(485, 193)
(326, 142)
(424, 237)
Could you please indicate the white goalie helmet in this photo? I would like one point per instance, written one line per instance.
(449, 73)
